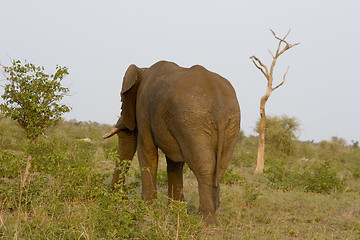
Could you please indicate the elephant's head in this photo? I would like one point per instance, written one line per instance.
(125, 127)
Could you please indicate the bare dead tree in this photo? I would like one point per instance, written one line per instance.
(269, 77)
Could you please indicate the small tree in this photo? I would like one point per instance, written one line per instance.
(269, 77)
(32, 98)
(280, 134)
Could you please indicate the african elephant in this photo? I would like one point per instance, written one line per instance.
(192, 115)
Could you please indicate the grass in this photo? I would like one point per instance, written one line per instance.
(291, 215)
(69, 195)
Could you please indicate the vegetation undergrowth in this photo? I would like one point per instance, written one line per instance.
(310, 192)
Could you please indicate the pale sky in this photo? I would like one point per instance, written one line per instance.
(98, 40)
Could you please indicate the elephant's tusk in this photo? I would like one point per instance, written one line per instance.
(112, 133)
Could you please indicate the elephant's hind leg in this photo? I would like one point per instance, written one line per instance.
(175, 180)
(202, 164)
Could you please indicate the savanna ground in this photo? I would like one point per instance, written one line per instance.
(311, 193)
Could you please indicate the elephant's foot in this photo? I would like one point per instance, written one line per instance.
(149, 195)
(209, 218)
(208, 195)
(175, 193)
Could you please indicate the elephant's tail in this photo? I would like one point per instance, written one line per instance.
(220, 145)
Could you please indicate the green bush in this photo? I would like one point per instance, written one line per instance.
(33, 97)
(313, 177)
(280, 176)
(245, 160)
(11, 165)
(230, 177)
(120, 217)
(322, 178)
(280, 134)
(116, 217)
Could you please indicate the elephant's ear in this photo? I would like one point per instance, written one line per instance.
(128, 97)
(130, 78)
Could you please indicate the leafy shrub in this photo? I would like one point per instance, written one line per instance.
(322, 178)
(119, 217)
(280, 176)
(33, 97)
(245, 160)
(230, 177)
(280, 134)
(116, 217)
(318, 177)
(10, 165)
(332, 150)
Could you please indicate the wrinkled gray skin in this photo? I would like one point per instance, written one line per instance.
(192, 115)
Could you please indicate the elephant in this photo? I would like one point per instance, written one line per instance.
(192, 115)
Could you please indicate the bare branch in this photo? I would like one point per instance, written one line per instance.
(275, 35)
(293, 45)
(282, 40)
(271, 53)
(258, 60)
(254, 60)
(283, 81)
(287, 34)
(287, 47)
(277, 51)
(259, 68)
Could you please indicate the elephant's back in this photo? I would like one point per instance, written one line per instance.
(189, 103)
(196, 96)
(202, 89)
(192, 90)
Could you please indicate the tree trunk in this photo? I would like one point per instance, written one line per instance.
(269, 77)
(261, 142)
